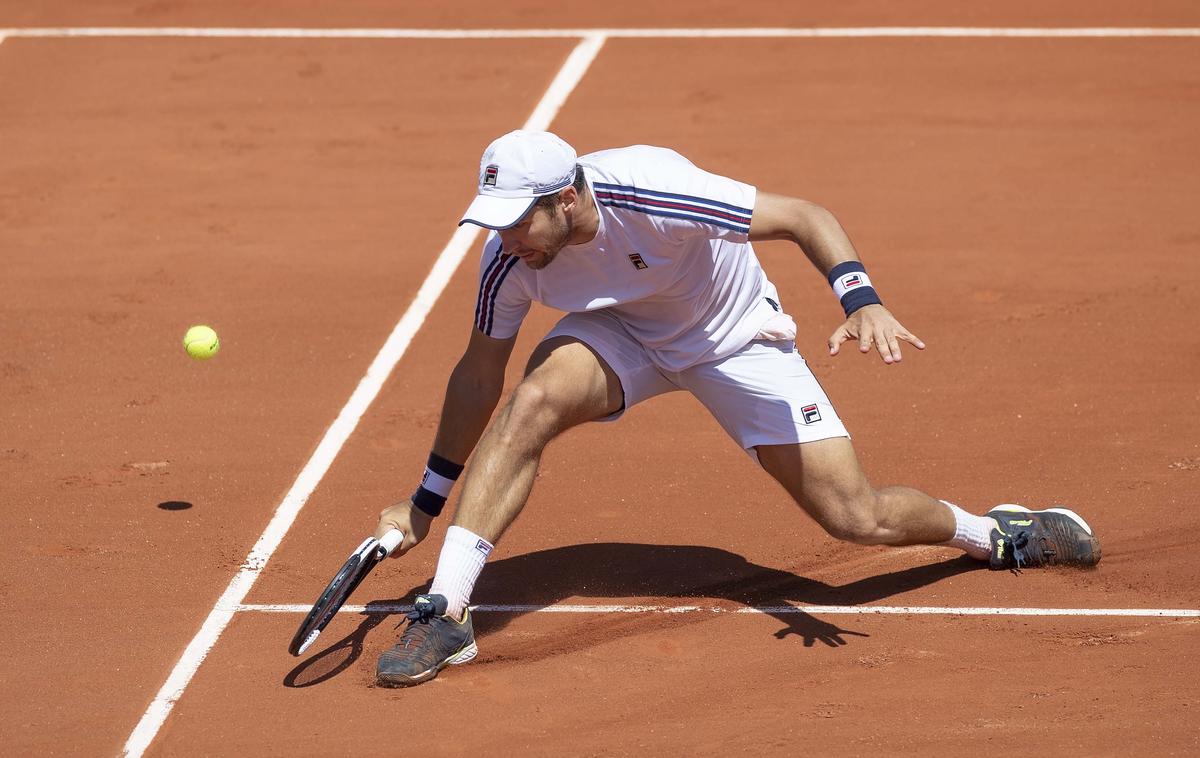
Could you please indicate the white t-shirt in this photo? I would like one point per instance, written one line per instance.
(672, 260)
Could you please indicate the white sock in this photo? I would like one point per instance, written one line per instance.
(461, 561)
(971, 533)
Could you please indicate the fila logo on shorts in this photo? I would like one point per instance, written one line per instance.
(489, 175)
(810, 414)
(638, 263)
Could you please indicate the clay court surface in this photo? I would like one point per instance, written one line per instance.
(1027, 205)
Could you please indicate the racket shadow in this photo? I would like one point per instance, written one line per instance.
(336, 658)
(624, 571)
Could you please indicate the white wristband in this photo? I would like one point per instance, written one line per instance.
(435, 482)
(851, 281)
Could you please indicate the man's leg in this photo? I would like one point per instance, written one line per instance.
(824, 477)
(566, 383)
(767, 399)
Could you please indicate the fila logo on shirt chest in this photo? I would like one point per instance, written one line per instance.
(638, 263)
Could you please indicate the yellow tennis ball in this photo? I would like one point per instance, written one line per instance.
(201, 342)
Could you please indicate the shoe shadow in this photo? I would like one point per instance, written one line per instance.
(624, 570)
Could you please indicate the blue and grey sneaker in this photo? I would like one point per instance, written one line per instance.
(432, 641)
(1053, 537)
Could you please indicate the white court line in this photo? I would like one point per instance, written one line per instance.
(810, 32)
(816, 610)
(564, 83)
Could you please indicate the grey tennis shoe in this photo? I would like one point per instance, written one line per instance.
(432, 641)
(1053, 537)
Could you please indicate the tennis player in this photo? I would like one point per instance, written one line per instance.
(651, 259)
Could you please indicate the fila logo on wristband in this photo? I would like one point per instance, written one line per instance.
(852, 286)
(848, 282)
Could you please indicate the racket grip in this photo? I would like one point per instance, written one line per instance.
(390, 542)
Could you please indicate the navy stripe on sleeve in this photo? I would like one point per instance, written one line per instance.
(672, 205)
(491, 304)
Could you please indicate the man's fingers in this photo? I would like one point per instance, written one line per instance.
(385, 526)
(893, 350)
(887, 341)
(838, 337)
(912, 339)
(408, 543)
(893, 342)
(883, 334)
(395, 517)
(882, 343)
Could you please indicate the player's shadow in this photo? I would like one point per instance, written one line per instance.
(623, 570)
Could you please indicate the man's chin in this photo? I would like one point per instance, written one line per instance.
(537, 264)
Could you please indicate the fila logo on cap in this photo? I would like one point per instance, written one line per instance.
(638, 263)
(489, 175)
(810, 414)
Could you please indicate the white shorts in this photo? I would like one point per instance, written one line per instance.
(764, 394)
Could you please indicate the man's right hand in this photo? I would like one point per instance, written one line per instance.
(409, 519)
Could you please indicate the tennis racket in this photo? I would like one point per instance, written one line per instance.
(353, 571)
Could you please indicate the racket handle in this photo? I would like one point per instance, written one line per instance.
(390, 542)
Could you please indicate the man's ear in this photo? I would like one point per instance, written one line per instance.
(568, 198)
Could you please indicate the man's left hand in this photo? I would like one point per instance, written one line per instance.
(874, 325)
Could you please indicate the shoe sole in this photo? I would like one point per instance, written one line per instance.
(1013, 508)
(466, 655)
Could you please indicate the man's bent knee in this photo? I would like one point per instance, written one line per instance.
(850, 519)
(531, 415)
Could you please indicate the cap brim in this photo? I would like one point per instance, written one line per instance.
(497, 212)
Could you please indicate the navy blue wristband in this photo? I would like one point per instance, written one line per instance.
(443, 467)
(852, 286)
(430, 503)
(440, 475)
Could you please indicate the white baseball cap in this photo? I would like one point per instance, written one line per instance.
(514, 172)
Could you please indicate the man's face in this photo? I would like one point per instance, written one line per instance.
(538, 238)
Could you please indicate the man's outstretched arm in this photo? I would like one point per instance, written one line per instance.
(825, 243)
(472, 394)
